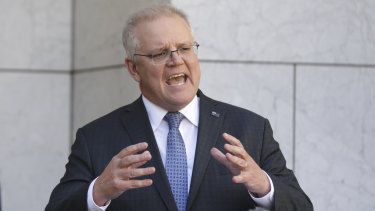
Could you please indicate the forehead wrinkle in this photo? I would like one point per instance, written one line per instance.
(168, 46)
(176, 45)
(156, 40)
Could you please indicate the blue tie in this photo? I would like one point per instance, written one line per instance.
(176, 164)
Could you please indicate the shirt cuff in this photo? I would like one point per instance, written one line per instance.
(90, 200)
(267, 200)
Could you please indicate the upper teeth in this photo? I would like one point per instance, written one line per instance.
(176, 76)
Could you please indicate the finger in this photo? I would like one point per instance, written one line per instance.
(132, 184)
(218, 155)
(134, 173)
(136, 165)
(232, 140)
(127, 161)
(132, 149)
(221, 158)
(236, 150)
(238, 179)
(241, 163)
(240, 152)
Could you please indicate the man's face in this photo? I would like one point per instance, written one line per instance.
(171, 85)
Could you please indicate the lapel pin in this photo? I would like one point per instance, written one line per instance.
(213, 113)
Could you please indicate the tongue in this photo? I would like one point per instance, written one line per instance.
(176, 81)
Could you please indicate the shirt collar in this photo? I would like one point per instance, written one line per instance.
(156, 113)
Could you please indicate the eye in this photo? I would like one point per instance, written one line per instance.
(184, 49)
(160, 55)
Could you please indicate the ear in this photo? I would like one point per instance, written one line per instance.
(132, 68)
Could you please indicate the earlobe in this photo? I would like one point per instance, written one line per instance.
(132, 68)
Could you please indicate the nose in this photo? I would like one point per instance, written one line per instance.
(175, 58)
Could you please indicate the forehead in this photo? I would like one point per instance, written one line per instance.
(163, 31)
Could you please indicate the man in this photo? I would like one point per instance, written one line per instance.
(174, 148)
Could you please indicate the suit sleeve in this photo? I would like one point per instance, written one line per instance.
(288, 194)
(71, 192)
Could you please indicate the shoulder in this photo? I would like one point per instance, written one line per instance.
(233, 112)
(112, 120)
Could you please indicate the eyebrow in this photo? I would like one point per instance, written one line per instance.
(164, 47)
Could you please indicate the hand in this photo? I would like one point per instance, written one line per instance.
(118, 176)
(242, 166)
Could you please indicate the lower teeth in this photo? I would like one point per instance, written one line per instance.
(178, 81)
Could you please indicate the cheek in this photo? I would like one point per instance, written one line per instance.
(196, 72)
(152, 78)
(149, 74)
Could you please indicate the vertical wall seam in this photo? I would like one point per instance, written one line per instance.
(294, 114)
(72, 61)
(0, 197)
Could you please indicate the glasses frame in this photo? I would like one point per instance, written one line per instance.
(169, 53)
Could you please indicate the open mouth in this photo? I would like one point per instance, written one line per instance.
(177, 80)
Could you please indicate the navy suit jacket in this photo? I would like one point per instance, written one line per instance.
(211, 184)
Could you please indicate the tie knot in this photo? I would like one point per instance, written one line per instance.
(174, 119)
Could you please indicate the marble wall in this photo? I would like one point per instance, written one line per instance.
(35, 34)
(308, 66)
(335, 136)
(96, 93)
(101, 81)
(35, 60)
(35, 132)
(303, 31)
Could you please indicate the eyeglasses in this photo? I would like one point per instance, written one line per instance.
(186, 52)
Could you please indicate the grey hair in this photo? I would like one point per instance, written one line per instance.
(129, 38)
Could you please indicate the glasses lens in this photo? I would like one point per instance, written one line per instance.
(161, 57)
(188, 52)
(195, 48)
(185, 52)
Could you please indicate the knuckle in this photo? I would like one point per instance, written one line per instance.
(116, 183)
(238, 161)
(114, 159)
(123, 152)
(115, 162)
(132, 173)
(242, 151)
(131, 148)
(126, 160)
(126, 174)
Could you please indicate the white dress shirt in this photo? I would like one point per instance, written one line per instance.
(189, 131)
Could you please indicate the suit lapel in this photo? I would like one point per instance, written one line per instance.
(139, 129)
(210, 122)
